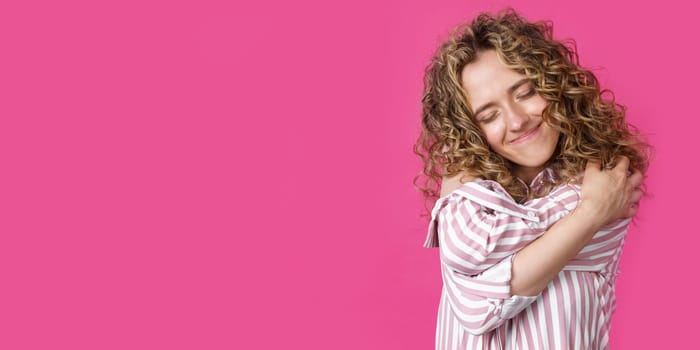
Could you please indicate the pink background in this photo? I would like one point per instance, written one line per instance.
(202, 175)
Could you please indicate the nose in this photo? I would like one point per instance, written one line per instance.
(516, 118)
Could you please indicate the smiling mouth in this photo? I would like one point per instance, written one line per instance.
(527, 135)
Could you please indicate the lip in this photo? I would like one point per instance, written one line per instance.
(528, 135)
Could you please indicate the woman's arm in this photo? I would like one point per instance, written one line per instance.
(606, 196)
(484, 301)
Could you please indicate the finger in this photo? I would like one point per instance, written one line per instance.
(593, 165)
(622, 163)
(636, 196)
(635, 179)
(632, 211)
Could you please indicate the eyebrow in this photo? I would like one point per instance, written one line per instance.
(511, 89)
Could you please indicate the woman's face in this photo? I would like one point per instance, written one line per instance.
(508, 110)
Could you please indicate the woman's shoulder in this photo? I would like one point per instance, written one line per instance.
(450, 184)
(477, 194)
(465, 184)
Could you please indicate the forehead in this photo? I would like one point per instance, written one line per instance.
(487, 78)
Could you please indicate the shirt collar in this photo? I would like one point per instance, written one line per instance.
(548, 175)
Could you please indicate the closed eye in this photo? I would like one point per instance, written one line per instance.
(529, 93)
(489, 118)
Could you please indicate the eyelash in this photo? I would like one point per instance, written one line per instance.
(529, 93)
(489, 118)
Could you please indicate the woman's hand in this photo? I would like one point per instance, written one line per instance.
(609, 194)
(606, 195)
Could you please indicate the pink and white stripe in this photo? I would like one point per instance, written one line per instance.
(478, 228)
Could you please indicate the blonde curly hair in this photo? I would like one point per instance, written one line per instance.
(591, 126)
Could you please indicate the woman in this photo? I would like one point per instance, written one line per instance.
(540, 178)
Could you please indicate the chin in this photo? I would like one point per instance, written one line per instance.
(530, 163)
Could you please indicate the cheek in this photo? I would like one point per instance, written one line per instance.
(537, 105)
(494, 134)
(552, 135)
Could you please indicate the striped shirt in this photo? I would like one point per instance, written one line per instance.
(478, 229)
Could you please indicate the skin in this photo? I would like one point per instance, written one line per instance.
(508, 111)
(512, 124)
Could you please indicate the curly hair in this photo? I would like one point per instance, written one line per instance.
(591, 126)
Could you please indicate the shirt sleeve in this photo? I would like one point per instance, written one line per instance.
(483, 302)
(478, 228)
(598, 252)
(478, 231)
